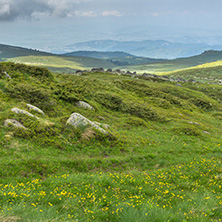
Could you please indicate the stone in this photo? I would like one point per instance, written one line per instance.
(109, 70)
(78, 120)
(31, 107)
(14, 123)
(21, 111)
(7, 75)
(97, 69)
(84, 105)
(101, 117)
(106, 126)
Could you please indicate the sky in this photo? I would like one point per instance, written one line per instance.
(52, 25)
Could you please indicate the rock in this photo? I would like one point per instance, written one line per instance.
(101, 118)
(97, 69)
(106, 126)
(7, 75)
(21, 111)
(31, 107)
(84, 105)
(109, 70)
(14, 123)
(78, 120)
(79, 72)
(194, 123)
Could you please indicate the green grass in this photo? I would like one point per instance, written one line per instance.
(162, 163)
(63, 63)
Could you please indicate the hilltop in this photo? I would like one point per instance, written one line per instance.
(99, 55)
(7, 51)
(157, 158)
(180, 63)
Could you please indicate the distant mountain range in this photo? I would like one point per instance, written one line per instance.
(148, 48)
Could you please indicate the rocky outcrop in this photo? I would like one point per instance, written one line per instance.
(78, 120)
(36, 109)
(97, 69)
(84, 105)
(14, 123)
(21, 111)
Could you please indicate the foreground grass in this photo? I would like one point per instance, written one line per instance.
(163, 162)
(189, 192)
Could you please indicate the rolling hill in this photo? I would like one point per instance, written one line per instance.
(180, 63)
(7, 51)
(99, 55)
(69, 64)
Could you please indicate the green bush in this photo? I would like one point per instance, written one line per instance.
(188, 130)
(201, 102)
(135, 121)
(39, 72)
(30, 93)
(110, 101)
(69, 91)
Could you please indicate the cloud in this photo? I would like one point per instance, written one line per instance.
(111, 13)
(13, 9)
(85, 14)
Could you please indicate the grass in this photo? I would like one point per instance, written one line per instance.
(163, 162)
(63, 63)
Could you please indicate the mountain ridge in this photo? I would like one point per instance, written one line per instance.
(146, 48)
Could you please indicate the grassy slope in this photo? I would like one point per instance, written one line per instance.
(53, 62)
(63, 63)
(181, 63)
(165, 159)
(208, 72)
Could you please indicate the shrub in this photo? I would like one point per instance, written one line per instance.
(30, 93)
(39, 72)
(201, 102)
(110, 101)
(69, 91)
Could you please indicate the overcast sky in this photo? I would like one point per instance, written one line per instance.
(53, 24)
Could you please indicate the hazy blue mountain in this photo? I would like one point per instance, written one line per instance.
(147, 48)
(99, 55)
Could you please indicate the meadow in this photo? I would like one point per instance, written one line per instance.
(160, 162)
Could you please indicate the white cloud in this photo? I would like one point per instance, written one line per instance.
(111, 13)
(85, 14)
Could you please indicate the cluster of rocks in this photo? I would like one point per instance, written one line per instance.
(110, 71)
(133, 74)
(77, 120)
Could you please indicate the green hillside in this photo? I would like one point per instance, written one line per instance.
(56, 63)
(204, 73)
(177, 64)
(7, 51)
(63, 64)
(159, 160)
(69, 64)
(99, 55)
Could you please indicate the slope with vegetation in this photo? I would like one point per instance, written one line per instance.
(180, 63)
(160, 161)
